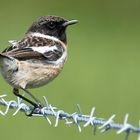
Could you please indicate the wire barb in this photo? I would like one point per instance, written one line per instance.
(106, 125)
(76, 118)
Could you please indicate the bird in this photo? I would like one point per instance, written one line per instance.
(37, 58)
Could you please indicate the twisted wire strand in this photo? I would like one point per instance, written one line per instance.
(74, 118)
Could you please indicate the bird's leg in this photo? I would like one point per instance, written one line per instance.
(33, 97)
(16, 92)
(36, 105)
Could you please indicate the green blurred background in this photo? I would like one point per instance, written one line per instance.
(102, 70)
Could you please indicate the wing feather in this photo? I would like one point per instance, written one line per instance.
(33, 47)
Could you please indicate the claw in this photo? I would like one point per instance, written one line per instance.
(36, 109)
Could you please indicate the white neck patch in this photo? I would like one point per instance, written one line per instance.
(45, 36)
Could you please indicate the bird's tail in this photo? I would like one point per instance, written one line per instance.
(7, 63)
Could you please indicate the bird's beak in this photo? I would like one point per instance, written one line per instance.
(70, 22)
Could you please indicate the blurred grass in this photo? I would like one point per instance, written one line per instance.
(102, 70)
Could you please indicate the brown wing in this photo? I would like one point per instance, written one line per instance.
(23, 50)
(24, 54)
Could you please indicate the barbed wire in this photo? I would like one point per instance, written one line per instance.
(75, 118)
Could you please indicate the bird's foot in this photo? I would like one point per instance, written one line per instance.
(36, 110)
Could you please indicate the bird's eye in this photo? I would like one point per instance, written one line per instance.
(51, 25)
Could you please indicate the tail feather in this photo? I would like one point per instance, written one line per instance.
(7, 63)
(4, 56)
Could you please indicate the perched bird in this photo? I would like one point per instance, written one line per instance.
(38, 58)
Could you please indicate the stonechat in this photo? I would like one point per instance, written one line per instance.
(38, 58)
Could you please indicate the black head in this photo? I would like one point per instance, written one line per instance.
(52, 25)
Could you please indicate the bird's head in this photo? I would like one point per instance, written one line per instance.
(51, 25)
